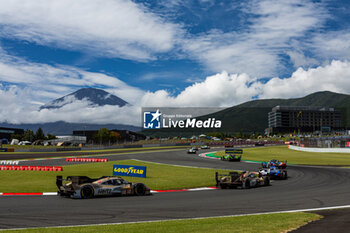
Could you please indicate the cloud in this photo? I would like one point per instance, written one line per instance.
(333, 77)
(225, 90)
(332, 45)
(79, 111)
(48, 82)
(220, 90)
(25, 86)
(112, 28)
(257, 49)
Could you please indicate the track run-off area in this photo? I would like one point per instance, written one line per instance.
(307, 187)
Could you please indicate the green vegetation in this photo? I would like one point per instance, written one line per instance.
(159, 176)
(105, 136)
(266, 223)
(292, 156)
(30, 136)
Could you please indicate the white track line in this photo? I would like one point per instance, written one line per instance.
(196, 218)
(145, 161)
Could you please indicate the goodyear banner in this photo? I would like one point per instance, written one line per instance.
(129, 170)
(234, 151)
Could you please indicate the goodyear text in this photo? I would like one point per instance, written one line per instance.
(129, 170)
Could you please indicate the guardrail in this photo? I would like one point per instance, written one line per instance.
(320, 150)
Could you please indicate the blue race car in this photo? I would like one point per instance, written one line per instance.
(274, 173)
(274, 163)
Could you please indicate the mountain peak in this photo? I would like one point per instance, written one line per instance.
(93, 95)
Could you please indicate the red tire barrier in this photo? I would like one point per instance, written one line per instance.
(94, 160)
(30, 168)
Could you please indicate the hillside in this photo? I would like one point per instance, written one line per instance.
(252, 116)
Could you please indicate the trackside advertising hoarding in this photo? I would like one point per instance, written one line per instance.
(129, 170)
(234, 151)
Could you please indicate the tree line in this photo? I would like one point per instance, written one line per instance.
(29, 135)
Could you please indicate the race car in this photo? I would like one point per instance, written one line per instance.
(243, 180)
(231, 157)
(191, 151)
(274, 173)
(274, 163)
(85, 187)
(205, 147)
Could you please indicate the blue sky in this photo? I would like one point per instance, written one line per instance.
(168, 53)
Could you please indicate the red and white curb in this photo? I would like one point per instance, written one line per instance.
(204, 155)
(29, 194)
(152, 191)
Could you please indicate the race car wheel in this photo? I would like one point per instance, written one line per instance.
(285, 175)
(87, 192)
(139, 189)
(223, 186)
(247, 184)
(267, 181)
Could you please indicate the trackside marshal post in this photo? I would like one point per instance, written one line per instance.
(129, 170)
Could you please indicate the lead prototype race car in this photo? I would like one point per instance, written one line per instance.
(244, 180)
(192, 151)
(85, 187)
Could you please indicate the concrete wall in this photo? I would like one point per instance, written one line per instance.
(321, 150)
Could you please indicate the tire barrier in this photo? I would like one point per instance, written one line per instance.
(8, 162)
(31, 168)
(94, 160)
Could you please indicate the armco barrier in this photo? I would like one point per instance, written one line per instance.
(68, 149)
(94, 160)
(132, 146)
(30, 168)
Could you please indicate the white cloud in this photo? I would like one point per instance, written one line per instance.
(227, 90)
(220, 90)
(332, 45)
(114, 28)
(333, 77)
(257, 49)
(48, 82)
(24, 86)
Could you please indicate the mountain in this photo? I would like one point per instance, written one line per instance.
(252, 116)
(94, 96)
(61, 128)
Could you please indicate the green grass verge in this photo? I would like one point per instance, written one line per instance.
(159, 176)
(293, 156)
(267, 223)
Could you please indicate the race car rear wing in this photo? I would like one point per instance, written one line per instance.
(234, 175)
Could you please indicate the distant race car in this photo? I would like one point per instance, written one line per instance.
(275, 173)
(85, 187)
(231, 157)
(243, 180)
(274, 163)
(205, 147)
(191, 151)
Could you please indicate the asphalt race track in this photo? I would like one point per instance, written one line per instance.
(307, 187)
